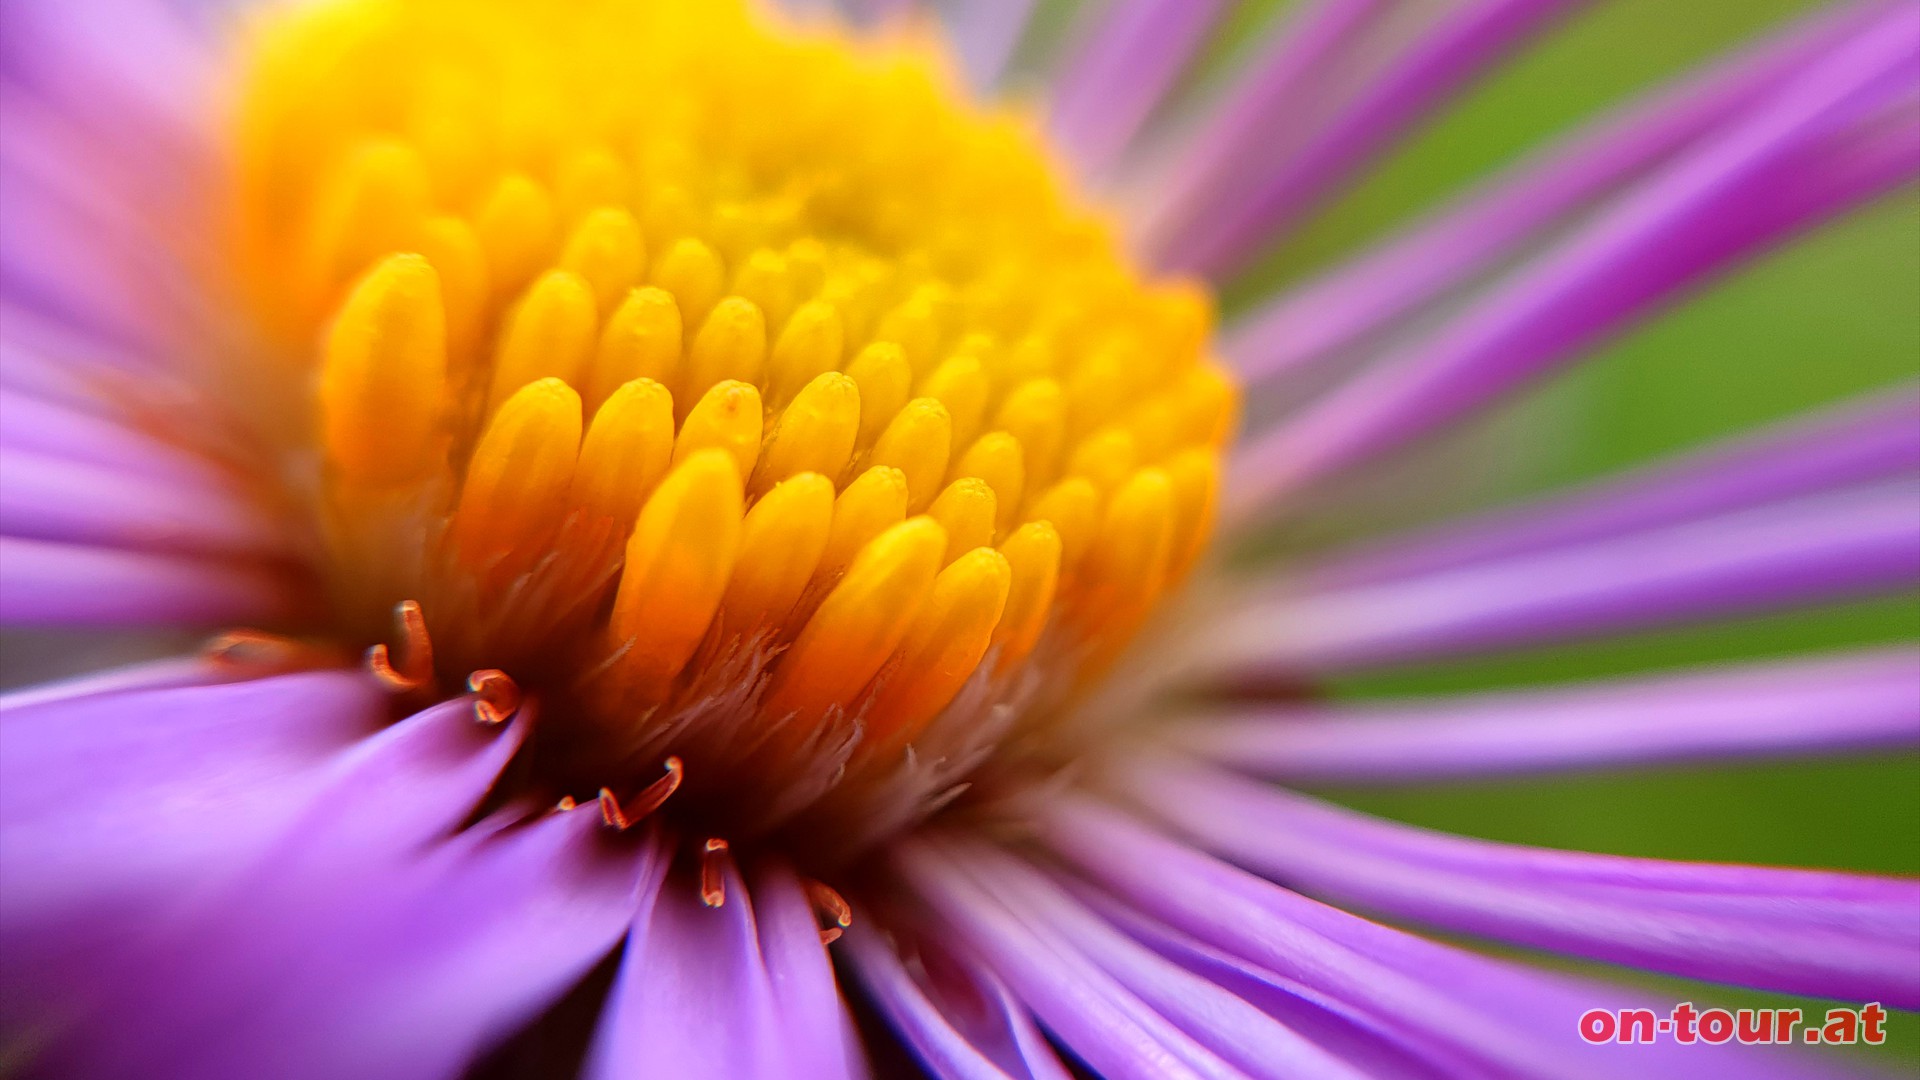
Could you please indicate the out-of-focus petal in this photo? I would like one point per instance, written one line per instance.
(53, 584)
(985, 36)
(1804, 552)
(1245, 213)
(118, 805)
(1472, 1016)
(43, 497)
(959, 1020)
(1131, 58)
(1809, 932)
(1259, 120)
(1760, 179)
(1857, 441)
(1833, 703)
(1315, 321)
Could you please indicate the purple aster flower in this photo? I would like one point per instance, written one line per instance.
(705, 516)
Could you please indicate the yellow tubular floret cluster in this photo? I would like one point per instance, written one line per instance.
(651, 334)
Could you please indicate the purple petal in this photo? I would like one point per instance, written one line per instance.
(1087, 1010)
(1772, 174)
(1236, 1030)
(697, 995)
(1256, 207)
(1128, 63)
(1805, 552)
(1847, 702)
(36, 425)
(49, 584)
(1861, 440)
(805, 995)
(959, 1021)
(984, 35)
(43, 497)
(1316, 321)
(91, 238)
(1258, 123)
(1799, 931)
(351, 840)
(1473, 1016)
(163, 674)
(1364, 1044)
(415, 970)
(133, 72)
(118, 804)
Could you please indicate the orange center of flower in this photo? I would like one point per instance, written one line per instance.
(739, 391)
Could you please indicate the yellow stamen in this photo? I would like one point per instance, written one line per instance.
(516, 226)
(885, 380)
(731, 344)
(627, 450)
(694, 275)
(678, 561)
(966, 509)
(589, 180)
(1106, 458)
(815, 433)
(641, 341)
(1130, 557)
(606, 250)
(516, 486)
(875, 502)
(384, 375)
(961, 385)
(942, 648)
(808, 347)
(996, 457)
(780, 547)
(763, 279)
(365, 209)
(917, 443)
(1033, 559)
(1035, 414)
(728, 418)
(861, 622)
(549, 335)
(1073, 506)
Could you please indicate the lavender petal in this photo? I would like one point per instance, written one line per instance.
(1865, 439)
(120, 799)
(1316, 321)
(1799, 931)
(961, 1023)
(1258, 207)
(1470, 1015)
(1804, 552)
(1852, 701)
(52, 584)
(1764, 178)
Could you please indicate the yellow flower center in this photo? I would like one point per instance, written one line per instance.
(739, 390)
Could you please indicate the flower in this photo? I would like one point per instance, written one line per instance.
(770, 495)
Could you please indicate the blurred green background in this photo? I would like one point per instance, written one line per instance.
(1834, 314)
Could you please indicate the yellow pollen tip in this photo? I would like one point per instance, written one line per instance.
(679, 559)
(384, 374)
(521, 470)
(861, 622)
